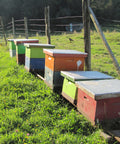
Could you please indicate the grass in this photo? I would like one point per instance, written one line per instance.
(31, 113)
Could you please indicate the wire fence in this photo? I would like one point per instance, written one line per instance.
(66, 24)
(108, 24)
(57, 25)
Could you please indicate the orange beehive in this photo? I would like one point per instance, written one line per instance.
(57, 60)
(69, 60)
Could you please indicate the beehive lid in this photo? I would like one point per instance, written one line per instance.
(39, 45)
(100, 89)
(60, 52)
(21, 41)
(84, 75)
(15, 39)
(10, 39)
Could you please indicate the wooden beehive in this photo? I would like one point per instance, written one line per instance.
(57, 60)
(12, 47)
(20, 48)
(35, 58)
(99, 100)
(69, 89)
(11, 44)
(12, 53)
(20, 59)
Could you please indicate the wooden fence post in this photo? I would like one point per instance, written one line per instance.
(86, 24)
(98, 28)
(2, 25)
(47, 24)
(13, 27)
(26, 27)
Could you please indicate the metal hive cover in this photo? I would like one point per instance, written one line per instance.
(53, 52)
(84, 75)
(100, 89)
(39, 45)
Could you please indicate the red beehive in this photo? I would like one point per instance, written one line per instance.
(99, 100)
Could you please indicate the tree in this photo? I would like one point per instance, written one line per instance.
(35, 8)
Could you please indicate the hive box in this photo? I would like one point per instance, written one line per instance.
(57, 60)
(99, 100)
(20, 49)
(12, 47)
(12, 53)
(69, 89)
(35, 58)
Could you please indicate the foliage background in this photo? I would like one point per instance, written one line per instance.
(35, 8)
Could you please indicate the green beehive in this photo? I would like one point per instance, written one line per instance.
(34, 56)
(12, 47)
(11, 44)
(20, 49)
(69, 90)
(34, 50)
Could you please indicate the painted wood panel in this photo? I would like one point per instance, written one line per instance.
(35, 64)
(11, 45)
(63, 63)
(52, 78)
(99, 100)
(22, 41)
(98, 110)
(49, 62)
(12, 53)
(20, 59)
(57, 59)
(20, 49)
(69, 91)
(34, 52)
(70, 77)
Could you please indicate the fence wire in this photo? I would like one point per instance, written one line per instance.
(66, 24)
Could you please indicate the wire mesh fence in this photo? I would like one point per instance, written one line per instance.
(66, 24)
(59, 25)
(37, 26)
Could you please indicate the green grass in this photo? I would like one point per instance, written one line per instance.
(31, 113)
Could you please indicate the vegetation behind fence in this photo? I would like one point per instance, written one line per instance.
(66, 24)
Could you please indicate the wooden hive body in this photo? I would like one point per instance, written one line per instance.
(69, 90)
(99, 100)
(20, 48)
(57, 60)
(34, 56)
